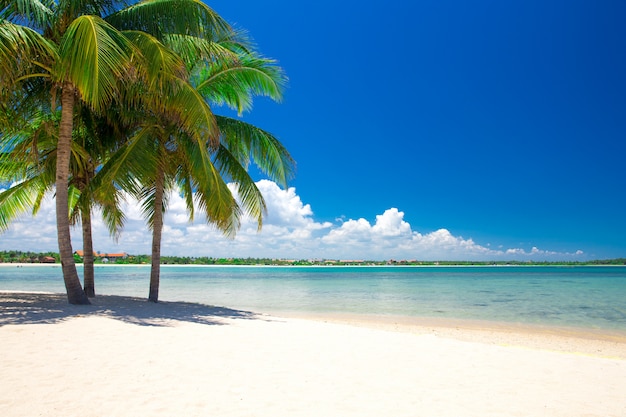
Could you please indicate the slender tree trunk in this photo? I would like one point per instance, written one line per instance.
(155, 271)
(75, 293)
(88, 273)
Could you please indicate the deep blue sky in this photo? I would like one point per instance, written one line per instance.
(500, 121)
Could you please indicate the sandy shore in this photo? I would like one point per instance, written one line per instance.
(126, 357)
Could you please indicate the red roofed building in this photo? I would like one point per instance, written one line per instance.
(106, 257)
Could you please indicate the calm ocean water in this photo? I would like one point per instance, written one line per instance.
(588, 297)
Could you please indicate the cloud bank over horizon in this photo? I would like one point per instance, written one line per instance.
(289, 231)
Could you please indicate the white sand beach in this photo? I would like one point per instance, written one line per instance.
(126, 357)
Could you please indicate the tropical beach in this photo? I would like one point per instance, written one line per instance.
(448, 141)
(122, 356)
(304, 341)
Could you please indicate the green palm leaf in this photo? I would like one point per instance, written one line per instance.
(23, 53)
(245, 140)
(19, 199)
(38, 13)
(94, 57)
(249, 195)
(193, 49)
(159, 62)
(133, 163)
(161, 17)
(212, 194)
(234, 83)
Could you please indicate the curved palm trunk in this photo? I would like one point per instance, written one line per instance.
(88, 273)
(75, 293)
(157, 228)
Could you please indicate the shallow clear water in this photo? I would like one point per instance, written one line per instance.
(590, 297)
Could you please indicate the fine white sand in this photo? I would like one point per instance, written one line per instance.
(127, 357)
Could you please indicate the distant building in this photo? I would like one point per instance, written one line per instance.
(122, 255)
(106, 257)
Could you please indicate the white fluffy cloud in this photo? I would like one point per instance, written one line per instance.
(289, 231)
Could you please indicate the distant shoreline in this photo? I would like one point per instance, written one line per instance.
(123, 258)
(446, 265)
(606, 343)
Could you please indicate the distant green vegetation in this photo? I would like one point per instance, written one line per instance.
(50, 257)
(15, 256)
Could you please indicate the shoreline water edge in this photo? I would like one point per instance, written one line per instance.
(578, 299)
(576, 340)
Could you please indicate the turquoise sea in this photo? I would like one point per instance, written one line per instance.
(583, 297)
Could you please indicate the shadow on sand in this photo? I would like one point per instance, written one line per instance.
(33, 308)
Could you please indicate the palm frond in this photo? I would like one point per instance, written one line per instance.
(212, 195)
(94, 57)
(73, 197)
(159, 62)
(198, 51)
(133, 163)
(13, 170)
(109, 199)
(235, 83)
(250, 196)
(73, 8)
(245, 140)
(34, 13)
(187, 109)
(80, 162)
(113, 217)
(160, 17)
(23, 53)
(41, 192)
(185, 185)
(18, 200)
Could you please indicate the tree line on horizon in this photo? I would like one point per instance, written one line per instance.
(105, 98)
(34, 257)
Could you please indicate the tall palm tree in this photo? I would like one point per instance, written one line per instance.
(232, 74)
(65, 50)
(164, 155)
(162, 152)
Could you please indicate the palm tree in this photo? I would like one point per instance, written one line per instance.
(164, 151)
(232, 76)
(164, 155)
(32, 161)
(66, 52)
